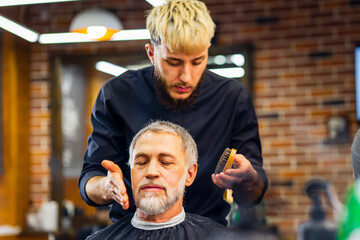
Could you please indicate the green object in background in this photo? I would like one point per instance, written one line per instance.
(349, 222)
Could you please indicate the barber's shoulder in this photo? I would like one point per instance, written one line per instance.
(128, 80)
(231, 83)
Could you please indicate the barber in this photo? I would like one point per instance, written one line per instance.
(217, 111)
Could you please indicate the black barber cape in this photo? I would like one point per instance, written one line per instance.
(192, 227)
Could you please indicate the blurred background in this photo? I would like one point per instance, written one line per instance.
(296, 57)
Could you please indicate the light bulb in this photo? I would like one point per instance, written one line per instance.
(96, 32)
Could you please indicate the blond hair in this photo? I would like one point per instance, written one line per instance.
(181, 25)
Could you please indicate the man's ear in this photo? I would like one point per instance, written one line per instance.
(191, 174)
(150, 51)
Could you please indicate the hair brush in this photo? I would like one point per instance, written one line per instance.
(226, 160)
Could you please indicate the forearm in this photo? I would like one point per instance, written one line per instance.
(247, 193)
(96, 191)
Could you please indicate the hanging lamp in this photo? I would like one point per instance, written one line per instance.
(99, 24)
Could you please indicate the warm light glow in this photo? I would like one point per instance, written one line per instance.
(110, 68)
(137, 34)
(64, 38)
(5, 3)
(18, 30)
(100, 24)
(96, 32)
(219, 59)
(124, 35)
(236, 72)
(238, 59)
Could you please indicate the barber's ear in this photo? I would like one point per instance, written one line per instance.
(191, 174)
(150, 51)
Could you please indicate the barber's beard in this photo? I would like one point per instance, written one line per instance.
(163, 96)
(153, 204)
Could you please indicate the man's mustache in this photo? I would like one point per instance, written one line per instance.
(145, 183)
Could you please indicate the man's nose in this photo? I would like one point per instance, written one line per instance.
(185, 75)
(152, 169)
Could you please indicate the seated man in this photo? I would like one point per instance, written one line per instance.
(163, 160)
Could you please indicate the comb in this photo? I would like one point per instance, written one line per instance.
(226, 160)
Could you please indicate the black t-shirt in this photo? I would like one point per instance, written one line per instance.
(222, 116)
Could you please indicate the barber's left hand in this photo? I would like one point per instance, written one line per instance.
(242, 173)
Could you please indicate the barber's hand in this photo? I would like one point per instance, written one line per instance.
(114, 184)
(242, 173)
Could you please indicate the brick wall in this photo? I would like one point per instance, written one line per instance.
(303, 74)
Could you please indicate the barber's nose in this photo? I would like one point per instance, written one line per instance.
(186, 73)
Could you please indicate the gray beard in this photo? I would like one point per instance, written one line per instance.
(151, 205)
(176, 105)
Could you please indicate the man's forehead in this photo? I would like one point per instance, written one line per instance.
(160, 143)
(159, 135)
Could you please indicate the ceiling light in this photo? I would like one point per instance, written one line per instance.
(124, 35)
(219, 59)
(5, 3)
(18, 30)
(235, 72)
(98, 23)
(110, 68)
(156, 3)
(49, 38)
(238, 59)
(136, 34)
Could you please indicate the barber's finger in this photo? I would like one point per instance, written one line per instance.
(218, 181)
(123, 200)
(239, 160)
(110, 166)
(115, 175)
(116, 180)
(227, 181)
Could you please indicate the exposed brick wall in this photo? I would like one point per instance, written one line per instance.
(303, 74)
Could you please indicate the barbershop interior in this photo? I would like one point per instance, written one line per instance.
(299, 60)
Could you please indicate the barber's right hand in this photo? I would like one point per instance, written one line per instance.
(115, 186)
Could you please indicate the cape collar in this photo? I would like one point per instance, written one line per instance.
(140, 224)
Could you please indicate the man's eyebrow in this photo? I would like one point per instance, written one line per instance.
(140, 154)
(163, 154)
(167, 155)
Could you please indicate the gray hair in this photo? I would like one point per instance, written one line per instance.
(165, 126)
